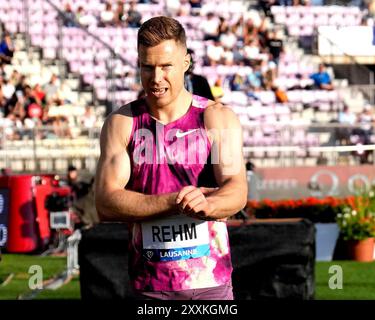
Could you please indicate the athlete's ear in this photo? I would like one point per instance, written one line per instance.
(187, 62)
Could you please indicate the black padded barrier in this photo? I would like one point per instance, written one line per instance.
(272, 259)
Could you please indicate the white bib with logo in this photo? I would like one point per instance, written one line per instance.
(177, 237)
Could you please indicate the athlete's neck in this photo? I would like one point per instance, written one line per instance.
(173, 111)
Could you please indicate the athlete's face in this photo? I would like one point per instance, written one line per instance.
(162, 71)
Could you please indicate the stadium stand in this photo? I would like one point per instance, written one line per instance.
(258, 58)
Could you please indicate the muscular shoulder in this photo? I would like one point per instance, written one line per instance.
(216, 115)
(123, 114)
(118, 126)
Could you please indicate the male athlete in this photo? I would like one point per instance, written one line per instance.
(171, 165)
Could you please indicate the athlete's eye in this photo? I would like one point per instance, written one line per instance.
(147, 68)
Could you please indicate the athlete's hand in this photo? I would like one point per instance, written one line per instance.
(193, 202)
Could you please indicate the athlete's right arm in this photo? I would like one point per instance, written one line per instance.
(113, 201)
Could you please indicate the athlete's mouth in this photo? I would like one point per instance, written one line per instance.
(159, 91)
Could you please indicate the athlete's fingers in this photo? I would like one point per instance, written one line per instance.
(200, 210)
(183, 192)
(193, 204)
(206, 190)
(192, 195)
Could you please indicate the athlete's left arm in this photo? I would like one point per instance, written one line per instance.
(224, 128)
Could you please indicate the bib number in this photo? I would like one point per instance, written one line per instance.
(175, 238)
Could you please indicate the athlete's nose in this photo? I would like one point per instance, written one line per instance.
(157, 75)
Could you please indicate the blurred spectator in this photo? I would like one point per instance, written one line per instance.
(251, 52)
(29, 98)
(20, 103)
(107, 17)
(6, 49)
(185, 8)
(195, 83)
(63, 94)
(84, 18)
(250, 31)
(19, 109)
(210, 27)
(252, 182)
(2, 100)
(345, 117)
(237, 82)
(215, 53)
(196, 6)
(228, 57)
(79, 187)
(366, 121)
(280, 95)
(60, 127)
(12, 125)
(238, 29)
(120, 14)
(14, 77)
(172, 7)
(79, 14)
(7, 124)
(88, 119)
(45, 116)
(217, 90)
(275, 45)
(269, 72)
(39, 94)
(28, 128)
(2, 71)
(255, 78)
(51, 88)
(266, 5)
(69, 19)
(22, 83)
(322, 79)
(8, 88)
(228, 39)
(18, 94)
(265, 25)
(195, 3)
(34, 111)
(134, 17)
(223, 26)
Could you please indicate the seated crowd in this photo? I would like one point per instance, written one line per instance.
(45, 108)
(250, 41)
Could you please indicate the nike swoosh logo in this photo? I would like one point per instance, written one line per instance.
(180, 134)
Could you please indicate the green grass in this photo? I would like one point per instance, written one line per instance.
(358, 279)
(70, 291)
(20, 264)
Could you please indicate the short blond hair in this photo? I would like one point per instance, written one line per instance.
(159, 29)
